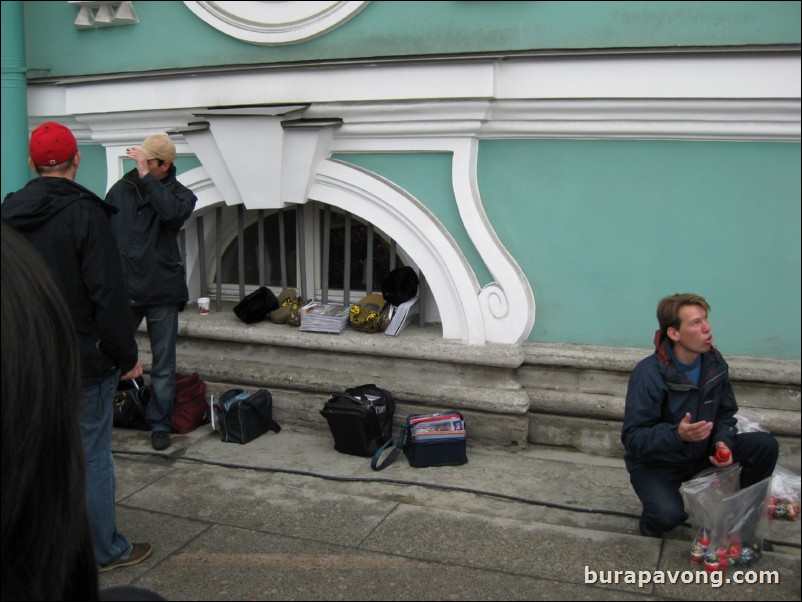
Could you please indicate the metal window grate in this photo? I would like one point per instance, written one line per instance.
(366, 264)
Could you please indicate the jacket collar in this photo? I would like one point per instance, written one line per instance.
(711, 360)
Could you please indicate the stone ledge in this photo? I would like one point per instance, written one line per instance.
(624, 359)
(414, 342)
(603, 437)
(607, 407)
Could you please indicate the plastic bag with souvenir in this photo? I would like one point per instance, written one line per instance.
(784, 500)
(732, 523)
(703, 496)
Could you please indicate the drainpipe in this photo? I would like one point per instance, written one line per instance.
(14, 172)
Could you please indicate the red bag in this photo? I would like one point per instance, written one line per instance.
(190, 409)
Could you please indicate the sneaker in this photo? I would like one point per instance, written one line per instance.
(138, 553)
(160, 440)
(648, 530)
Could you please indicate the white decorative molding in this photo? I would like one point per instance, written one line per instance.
(104, 14)
(508, 304)
(418, 232)
(652, 76)
(479, 98)
(510, 288)
(275, 23)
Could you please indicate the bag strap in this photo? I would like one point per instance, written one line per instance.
(374, 463)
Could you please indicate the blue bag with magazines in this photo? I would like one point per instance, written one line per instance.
(428, 440)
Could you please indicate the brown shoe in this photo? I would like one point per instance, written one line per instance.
(138, 553)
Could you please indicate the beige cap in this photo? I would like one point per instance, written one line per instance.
(159, 146)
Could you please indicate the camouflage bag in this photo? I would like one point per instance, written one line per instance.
(369, 314)
(295, 311)
(286, 298)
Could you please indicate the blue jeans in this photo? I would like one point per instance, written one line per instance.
(658, 487)
(96, 423)
(162, 322)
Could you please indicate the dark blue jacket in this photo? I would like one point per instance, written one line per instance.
(69, 226)
(151, 214)
(659, 395)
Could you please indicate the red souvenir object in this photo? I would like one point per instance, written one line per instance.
(722, 454)
(711, 563)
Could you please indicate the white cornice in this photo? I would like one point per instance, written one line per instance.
(729, 97)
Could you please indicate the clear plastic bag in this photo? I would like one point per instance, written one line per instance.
(784, 500)
(750, 421)
(732, 523)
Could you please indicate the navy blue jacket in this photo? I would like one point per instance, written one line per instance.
(69, 226)
(659, 395)
(151, 214)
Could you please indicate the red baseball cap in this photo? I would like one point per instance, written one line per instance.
(52, 144)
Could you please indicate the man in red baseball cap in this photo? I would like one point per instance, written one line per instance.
(69, 226)
(52, 144)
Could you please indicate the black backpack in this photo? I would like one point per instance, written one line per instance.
(360, 419)
(400, 285)
(256, 306)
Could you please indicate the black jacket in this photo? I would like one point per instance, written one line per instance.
(659, 395)
(151, 214)
(69, 225)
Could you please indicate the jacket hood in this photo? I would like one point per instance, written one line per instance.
(42, 198)
(659, 348)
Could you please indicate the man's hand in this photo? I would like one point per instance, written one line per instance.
(722, 456)
(133, 372)
(693, 431)
(138, 155)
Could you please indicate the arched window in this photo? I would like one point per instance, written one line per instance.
(343, 259)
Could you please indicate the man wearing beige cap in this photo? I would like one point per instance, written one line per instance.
(153, 206)
(69, 226)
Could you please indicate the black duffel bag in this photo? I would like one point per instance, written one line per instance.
(242, 416)
(256, 306)
(130, 406)
(360, 419)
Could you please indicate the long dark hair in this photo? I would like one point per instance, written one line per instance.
(46, 543)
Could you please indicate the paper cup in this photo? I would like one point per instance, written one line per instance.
(203, 305)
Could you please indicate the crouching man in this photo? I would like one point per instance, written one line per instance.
(680, 416)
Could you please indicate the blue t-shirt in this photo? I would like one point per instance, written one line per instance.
(692, 371)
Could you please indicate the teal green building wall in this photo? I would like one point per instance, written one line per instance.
(604, 229)
(14, 140)
(386, 29)
(92, 170)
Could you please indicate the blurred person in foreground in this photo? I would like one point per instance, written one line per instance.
(46, 539)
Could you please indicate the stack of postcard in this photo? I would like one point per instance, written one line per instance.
(444, 426)
(402, 315)
(324, 317)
